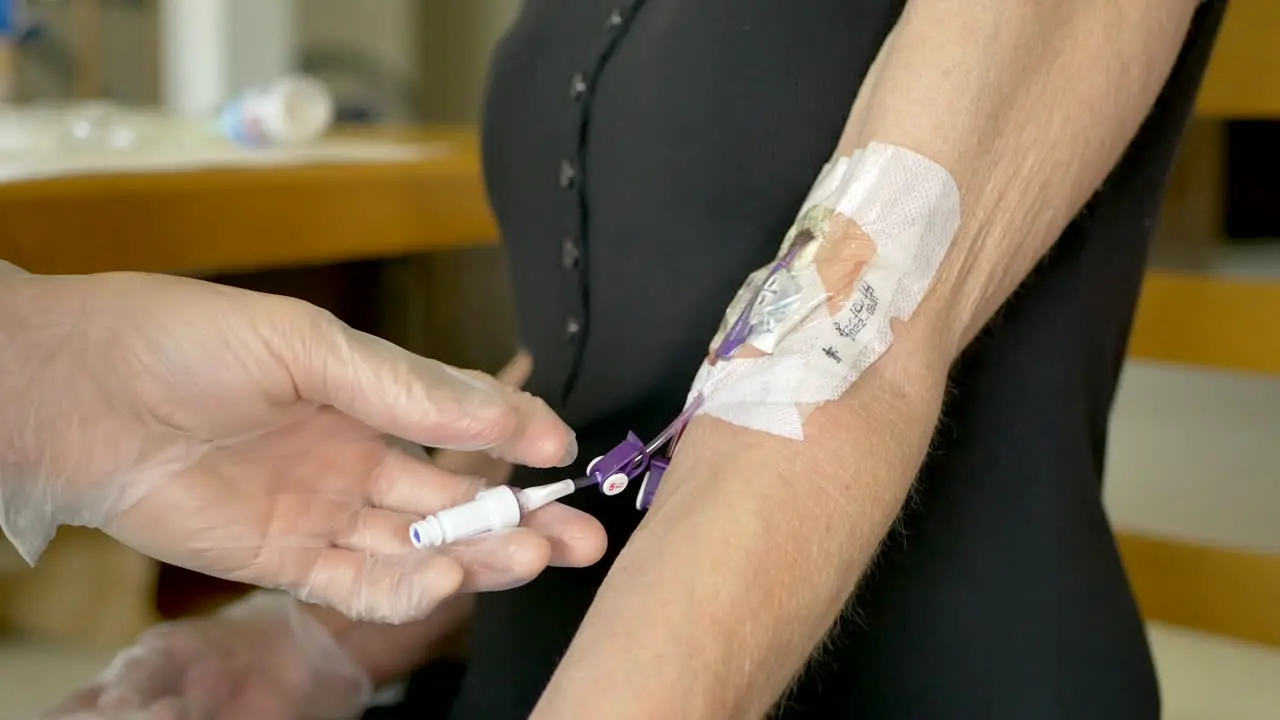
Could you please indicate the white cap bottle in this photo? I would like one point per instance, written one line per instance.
(290, 111)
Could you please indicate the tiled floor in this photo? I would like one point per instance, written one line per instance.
(1203, 677)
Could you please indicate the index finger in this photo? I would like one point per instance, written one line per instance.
(399, 393)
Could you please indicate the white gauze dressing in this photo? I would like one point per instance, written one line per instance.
(909, 206)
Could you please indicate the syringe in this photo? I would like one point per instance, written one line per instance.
(498, 508)
(504, 507)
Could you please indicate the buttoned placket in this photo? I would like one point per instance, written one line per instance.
(570, 178)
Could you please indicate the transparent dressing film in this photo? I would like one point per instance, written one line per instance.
(862, 252)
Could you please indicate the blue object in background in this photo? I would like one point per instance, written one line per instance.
(9, 18)
(14, 24)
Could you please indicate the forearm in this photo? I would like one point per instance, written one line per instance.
(391, 652)
(747, 557)
(1028, 105)
(756, 542)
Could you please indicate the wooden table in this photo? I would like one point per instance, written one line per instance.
(251, 219)
(229, 220)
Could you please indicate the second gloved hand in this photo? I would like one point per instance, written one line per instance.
(264, 658)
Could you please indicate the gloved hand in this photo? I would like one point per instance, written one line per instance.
(494, 471)
(248, 436)
(263, 658)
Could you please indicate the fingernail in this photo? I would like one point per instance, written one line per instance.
(570, 450)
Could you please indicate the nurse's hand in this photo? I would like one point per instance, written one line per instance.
(494, 471)
(250, 437)
(263, 658)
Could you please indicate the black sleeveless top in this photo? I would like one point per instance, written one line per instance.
(644, 156)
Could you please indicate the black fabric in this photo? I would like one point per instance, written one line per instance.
(428, 697)
(642, 159)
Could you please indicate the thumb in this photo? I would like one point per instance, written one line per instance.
(422, 400)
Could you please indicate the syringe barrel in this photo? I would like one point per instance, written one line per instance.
(494, 509)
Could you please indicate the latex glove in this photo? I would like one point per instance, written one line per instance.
(247, 436)
(263, 658)
(495, 471)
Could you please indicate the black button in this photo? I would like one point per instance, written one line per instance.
(615, 19)
(569, 254)
(577, 86)
(572, 327)
(568, 174)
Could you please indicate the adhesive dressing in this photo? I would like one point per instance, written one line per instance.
(876, 226)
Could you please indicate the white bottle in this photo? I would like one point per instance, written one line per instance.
(289, 111)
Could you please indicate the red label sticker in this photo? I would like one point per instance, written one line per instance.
(614, 484)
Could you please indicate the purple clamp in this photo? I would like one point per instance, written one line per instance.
(614, 470)
(618, 467)
(652, 479)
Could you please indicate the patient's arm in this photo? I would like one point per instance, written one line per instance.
(756, 542)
